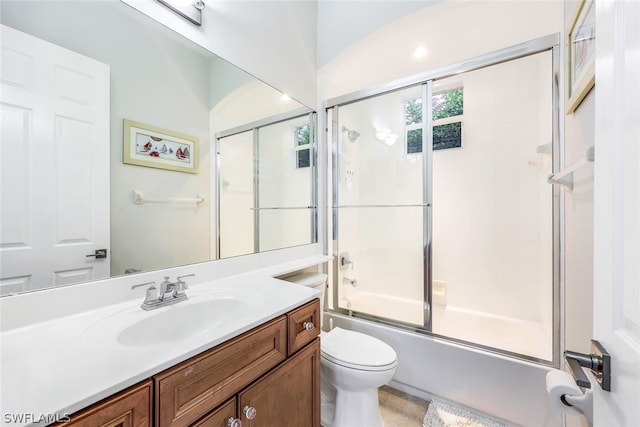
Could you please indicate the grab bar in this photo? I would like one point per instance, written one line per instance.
(139, 199)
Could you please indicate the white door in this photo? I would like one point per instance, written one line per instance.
(54, 154)
(617, 209)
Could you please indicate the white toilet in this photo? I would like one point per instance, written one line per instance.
(353, 366)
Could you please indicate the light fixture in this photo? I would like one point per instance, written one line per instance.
(420, 52)
(285, 98)
(188, 9)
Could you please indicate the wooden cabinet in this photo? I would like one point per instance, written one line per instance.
(303, 325)
(221, 417)
(191, 389)
(289, 396)
(273, 369)
(129, 408)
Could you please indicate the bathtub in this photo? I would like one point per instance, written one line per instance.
(533, 339)
(428, 366)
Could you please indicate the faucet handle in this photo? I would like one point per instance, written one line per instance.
(181, 285)
(186, 275)
(151, 295)
(143, 284)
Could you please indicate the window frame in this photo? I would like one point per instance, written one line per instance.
(437, 122)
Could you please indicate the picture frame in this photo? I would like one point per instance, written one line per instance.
(154, 147)
(580, 52)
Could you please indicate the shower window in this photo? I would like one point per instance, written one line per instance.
(301, 145)
(413, 125)
(448, 109)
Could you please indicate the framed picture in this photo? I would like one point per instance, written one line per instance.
(146, 145)
(581, 50)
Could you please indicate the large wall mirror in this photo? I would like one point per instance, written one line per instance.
(121, 135)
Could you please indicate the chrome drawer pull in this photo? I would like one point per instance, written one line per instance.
(249, 412)
(308, 326)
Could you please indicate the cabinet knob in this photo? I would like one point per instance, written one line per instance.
(234, 422)
(249, 412)
(308, 325)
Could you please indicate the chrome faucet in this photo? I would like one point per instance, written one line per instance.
(156, 298)
(348, 281)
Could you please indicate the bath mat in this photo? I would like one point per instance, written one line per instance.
(444, 414)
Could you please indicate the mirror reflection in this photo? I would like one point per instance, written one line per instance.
(266, 182)
(75, 76)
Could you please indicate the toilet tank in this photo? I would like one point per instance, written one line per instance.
(313, 280)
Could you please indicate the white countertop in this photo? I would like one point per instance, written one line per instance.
(62, 365)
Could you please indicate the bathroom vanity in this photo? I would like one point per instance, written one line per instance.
(267, 376)
(242, 348)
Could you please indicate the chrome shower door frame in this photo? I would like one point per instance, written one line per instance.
(543, 44)
(255, 127)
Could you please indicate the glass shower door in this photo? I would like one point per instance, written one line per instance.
(380, 209)
(493, 211)
(266, 186)
(443, 218)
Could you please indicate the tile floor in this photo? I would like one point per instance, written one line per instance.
(399, 409)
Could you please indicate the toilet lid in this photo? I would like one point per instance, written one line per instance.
(356, 350)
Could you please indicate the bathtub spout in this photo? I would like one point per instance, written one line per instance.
(347, 281)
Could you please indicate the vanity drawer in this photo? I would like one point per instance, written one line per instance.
(188, 391)
(131, 407)
(299, 332)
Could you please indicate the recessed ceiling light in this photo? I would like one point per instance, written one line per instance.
(284, 97)
(420, 52)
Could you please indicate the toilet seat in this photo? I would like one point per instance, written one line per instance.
(357, 351)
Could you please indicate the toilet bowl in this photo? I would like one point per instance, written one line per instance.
(353, 366)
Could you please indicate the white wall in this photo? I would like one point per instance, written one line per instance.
(275, 41)
(451, 31)
(579, 134)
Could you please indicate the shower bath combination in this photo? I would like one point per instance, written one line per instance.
(393, 203)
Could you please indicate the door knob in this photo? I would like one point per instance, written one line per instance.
(599, 361)
(99, 253)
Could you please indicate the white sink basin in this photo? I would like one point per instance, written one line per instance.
(183, 320)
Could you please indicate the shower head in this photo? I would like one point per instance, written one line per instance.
(351, 134)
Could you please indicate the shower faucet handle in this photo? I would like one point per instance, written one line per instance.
(345, 260)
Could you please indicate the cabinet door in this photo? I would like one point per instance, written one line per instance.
(191, 389)
(221, 417)
(289, 396)
(130, 408)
